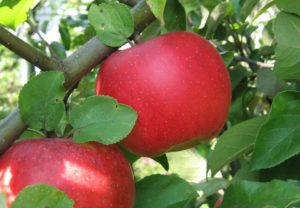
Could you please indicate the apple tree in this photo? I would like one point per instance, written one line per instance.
(198, 98)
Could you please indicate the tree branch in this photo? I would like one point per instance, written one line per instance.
(247, 59)
(75, 66)
(28, 52)
(93, 52)
(254, 62)
(10, 129)
(84, 59)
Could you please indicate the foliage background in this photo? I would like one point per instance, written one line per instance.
(259, 41)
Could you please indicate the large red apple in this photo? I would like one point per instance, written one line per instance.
(91, 174)
(179, 86)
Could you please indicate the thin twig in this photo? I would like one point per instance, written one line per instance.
(68, 94)
(247, 59)
(254, 62)
(238, 43)
(36, 31)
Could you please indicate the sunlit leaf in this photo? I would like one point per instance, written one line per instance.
(14, 12)
(102, 119)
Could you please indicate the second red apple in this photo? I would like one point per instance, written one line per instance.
(179, 86)
(92, 174)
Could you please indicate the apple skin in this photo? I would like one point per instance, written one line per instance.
(91, 174)
(179, 86)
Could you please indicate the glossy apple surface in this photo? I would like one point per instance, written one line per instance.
(179, 86)
(91, 174)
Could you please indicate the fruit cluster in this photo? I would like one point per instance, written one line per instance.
(180, 88)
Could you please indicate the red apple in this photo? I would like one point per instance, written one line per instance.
(91, 174)
(178, 84)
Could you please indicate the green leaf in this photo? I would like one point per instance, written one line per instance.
(288, 48)
(268, 83)
(242, 97)
(287, 34)
(65, 34)
(278, 138)
(163, 160)
(288, 170)
(30, 133)
(211, 186)
(14, 12)
(237, 74)
(61, 126)
(217, 16)
(42, 196)
(44, 26)
(113, 23)
(188, 164)
(151, 31)
(130, 156)
(88, 33)
(190, 5)
(245, 173)
(58, 49)
(287, 65)
(290, 6)
(162, 191)
(2, 200)
(275, 194)
(101, 119)
(185, 204)
(174, 16)
(234, 142)
(157, 7)
(41, 101)
(262, 11)
(247, 8)
(210, 4)
(267, 39)
(228, 57)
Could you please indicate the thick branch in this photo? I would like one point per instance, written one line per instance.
(10, 129)
(142, 15)
(84, 59)
(75, 67)
(28, 52)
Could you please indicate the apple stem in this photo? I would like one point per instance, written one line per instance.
(70, 133)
